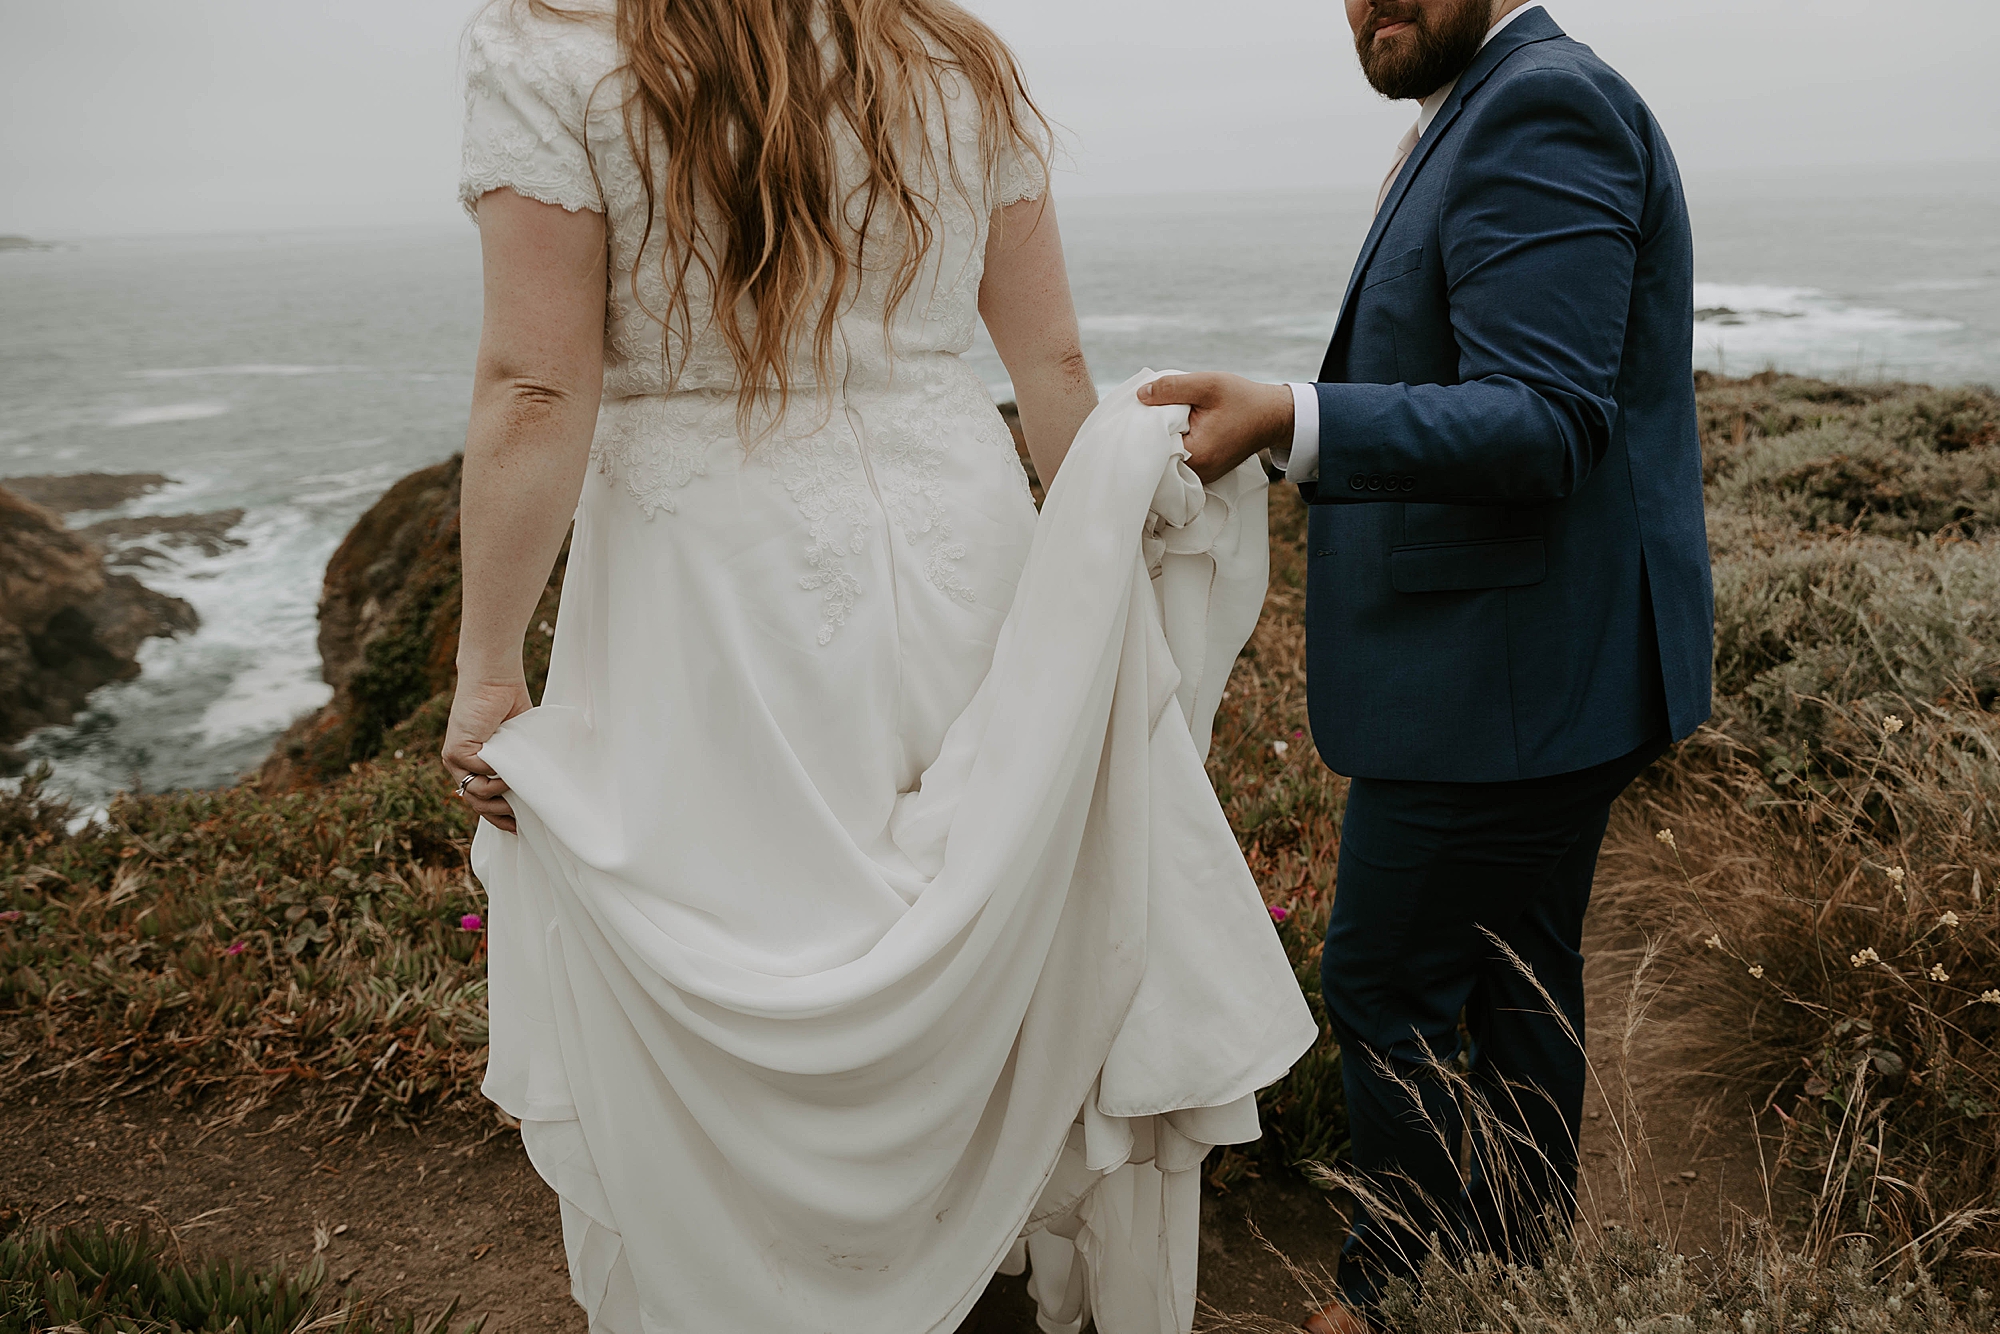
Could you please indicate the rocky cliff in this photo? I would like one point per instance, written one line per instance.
(388, 633)
(68, 624)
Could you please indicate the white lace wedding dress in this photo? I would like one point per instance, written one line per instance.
(871, 925)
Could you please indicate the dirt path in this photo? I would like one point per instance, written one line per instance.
(412, 1219)
(416, 1218)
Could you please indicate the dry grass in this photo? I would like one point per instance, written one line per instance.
(1857, 580)
(238, 944)
(1844, 869)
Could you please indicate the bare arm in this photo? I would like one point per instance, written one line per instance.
(1025, 301)
(535, 393)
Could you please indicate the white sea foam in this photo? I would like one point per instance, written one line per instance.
(1743, 327)
(168, 412)
(263, 699)
(247, 368)
(336, 488)
(253, 666)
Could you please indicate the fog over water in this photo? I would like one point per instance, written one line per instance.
(133, 116)
(262, 286)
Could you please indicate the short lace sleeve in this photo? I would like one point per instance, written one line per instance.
(524, 117)
(1017, 173)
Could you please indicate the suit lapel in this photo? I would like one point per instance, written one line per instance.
(1524, 31)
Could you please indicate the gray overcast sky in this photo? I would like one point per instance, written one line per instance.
(132, 116)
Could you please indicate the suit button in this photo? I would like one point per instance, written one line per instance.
(1409, 483)
(1359, 481)
(1375, 481)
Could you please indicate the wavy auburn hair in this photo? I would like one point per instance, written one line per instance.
(739, 106)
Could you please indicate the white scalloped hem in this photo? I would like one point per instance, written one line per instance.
(474, 188)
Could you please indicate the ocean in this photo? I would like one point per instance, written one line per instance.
(295, 376)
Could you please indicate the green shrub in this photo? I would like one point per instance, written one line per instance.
(231, 938)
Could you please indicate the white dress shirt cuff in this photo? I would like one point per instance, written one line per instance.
(1300, 459)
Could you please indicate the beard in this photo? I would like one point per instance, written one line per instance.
(1440, 42)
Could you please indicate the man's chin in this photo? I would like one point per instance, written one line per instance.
(1393, 46)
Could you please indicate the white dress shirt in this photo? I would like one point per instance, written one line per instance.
(1300, 459)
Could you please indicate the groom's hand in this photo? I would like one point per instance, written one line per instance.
(1231, 418)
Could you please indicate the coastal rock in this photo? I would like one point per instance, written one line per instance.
(388, 633)
(208, 534)
(73, 493)
(67, 625)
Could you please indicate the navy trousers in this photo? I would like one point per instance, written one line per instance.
(1437, 882)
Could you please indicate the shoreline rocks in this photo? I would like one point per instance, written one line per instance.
(79, 492)
(68, 623)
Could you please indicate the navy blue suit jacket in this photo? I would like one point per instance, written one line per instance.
(1508, 563)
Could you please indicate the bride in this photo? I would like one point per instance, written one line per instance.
(862, 923)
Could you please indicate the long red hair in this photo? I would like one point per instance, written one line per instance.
(740, 105)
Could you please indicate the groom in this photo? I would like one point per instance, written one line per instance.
(1508, 609)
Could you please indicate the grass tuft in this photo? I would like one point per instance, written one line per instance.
(96, 1280)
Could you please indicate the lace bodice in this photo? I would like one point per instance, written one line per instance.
(904, 445)
(543, 116)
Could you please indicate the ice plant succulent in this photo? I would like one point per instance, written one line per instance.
(472, 921)
(1279, 914)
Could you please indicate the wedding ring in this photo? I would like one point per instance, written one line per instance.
(464, 783)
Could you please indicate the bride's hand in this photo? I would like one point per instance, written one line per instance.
(477, 710)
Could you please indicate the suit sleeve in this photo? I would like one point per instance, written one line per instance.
(1539, 233)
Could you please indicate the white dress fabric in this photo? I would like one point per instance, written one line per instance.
(871, 925)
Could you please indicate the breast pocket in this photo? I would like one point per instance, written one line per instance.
(1392, 268)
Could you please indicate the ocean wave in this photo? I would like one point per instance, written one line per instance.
(247, 368)
(169, 412)
(265, 697)
(1315, 326)
(206, 707)
(1137, 324)
(1741, 327)
(1942, 285)
(322, 490)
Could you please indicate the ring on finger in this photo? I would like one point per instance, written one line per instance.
(464, 783)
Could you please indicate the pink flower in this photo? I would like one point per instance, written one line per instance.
(1298, 732)
(472, 921)
(235, 947)
(1279, 914)
(11, 915)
